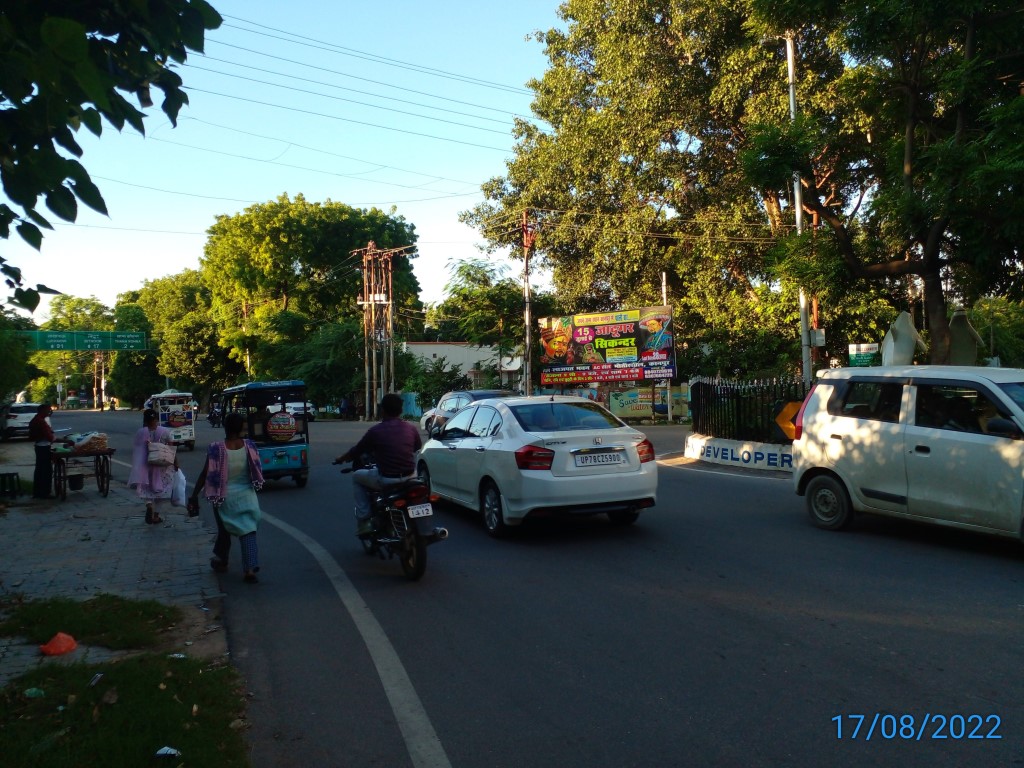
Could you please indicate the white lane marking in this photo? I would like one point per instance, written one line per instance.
(420, 739)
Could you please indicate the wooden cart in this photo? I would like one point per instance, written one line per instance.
(78, 463)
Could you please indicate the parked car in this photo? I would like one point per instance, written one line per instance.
(18, 417)
(937, 444)
(301, 410)
(514, 457)
(453, 402)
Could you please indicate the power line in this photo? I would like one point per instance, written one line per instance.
(345, 119)
(342, 50)
(293, 89)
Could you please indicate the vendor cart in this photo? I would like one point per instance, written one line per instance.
(81, 464)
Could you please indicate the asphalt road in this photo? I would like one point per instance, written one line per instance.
(720, 630)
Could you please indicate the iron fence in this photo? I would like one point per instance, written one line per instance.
(743, 410)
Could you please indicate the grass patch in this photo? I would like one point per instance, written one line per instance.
(138, 706)
(106, 620)
(120, 712)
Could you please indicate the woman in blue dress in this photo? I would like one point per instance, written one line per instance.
(231, 476)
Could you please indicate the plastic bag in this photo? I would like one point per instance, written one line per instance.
(178, 488)
(59, 644)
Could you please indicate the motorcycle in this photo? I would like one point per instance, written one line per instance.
(400, 513)
(214, 418)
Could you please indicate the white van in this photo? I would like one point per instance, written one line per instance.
(938, 444)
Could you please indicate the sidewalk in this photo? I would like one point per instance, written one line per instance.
(88, 544)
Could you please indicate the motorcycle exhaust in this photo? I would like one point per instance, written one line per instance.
(438, 534)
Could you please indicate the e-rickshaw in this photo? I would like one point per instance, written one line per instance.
(282, 440)
(177, 414)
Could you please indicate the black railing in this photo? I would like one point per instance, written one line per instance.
(742, 410)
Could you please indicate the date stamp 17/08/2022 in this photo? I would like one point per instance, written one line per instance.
(908, 727)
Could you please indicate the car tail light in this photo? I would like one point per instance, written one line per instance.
(645, 450)
(534, 457)
(798, 422)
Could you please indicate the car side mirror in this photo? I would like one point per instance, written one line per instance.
(434, 431)
(1003, 428)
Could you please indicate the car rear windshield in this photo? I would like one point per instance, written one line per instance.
(563, 417)
(24, 408)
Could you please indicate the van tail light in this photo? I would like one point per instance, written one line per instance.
(798, 423)
(534, 457)
(645, 450)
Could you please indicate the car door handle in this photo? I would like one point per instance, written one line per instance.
(479, 449)
(922, 449)
(451, 446)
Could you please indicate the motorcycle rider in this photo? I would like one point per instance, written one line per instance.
(393, 443)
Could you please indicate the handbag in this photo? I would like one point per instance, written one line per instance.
(178, 489)
(160, 454)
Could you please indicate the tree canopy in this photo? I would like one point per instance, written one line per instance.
(671, 148)
(68, 64)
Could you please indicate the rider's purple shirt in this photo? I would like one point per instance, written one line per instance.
(393, 444)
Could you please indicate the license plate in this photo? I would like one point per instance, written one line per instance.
(420, 510)
(592, 459)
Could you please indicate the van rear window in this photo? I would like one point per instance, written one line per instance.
(874, 400)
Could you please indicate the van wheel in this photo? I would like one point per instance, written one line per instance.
(828, 503)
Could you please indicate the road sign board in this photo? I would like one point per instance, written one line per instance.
(97, 341)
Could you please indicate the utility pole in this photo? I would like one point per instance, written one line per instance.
(805, 333)
(529, 235)
(378, 324)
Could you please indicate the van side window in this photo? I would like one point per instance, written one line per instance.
(874, 400)
(959, 408)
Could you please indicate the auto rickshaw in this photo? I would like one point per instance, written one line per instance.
(177, 412)
(282, 440)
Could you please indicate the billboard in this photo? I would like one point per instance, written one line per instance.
(623, 345)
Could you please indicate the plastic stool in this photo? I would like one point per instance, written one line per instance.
(10, 484)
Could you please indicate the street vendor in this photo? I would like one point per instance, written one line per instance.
(41, 434)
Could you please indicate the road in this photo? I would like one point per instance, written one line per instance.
(722, 629)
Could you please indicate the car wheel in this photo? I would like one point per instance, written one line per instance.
(828, 503)
(492, 510)
(424, 475)
(301, 480)
(623, 516)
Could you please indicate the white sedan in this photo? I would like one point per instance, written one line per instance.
(515, 457)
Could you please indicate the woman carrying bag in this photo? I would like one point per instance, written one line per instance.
(153, 479)
(231, 476)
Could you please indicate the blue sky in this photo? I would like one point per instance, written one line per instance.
(406, 104)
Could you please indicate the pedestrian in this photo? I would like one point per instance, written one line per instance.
(41, 434)
(152, 482)
(231, 476)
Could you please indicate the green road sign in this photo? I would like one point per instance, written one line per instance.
(99, 341)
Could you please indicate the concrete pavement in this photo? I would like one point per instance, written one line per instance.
(88, 544)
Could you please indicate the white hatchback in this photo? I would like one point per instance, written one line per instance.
(514, 457)
(938, 444)
(18, 417)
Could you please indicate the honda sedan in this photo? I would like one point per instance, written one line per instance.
(517, 457)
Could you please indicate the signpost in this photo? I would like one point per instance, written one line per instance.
(863, 355)
(95, 341)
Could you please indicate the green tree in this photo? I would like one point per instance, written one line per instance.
(638, 175)
(67, 64)
(133, 375)
(280, 270)
(430, 379)
(188, 338)
(914, 160)
(16, 372)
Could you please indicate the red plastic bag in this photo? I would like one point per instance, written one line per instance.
(59, 644)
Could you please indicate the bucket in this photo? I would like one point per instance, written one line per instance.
(76, 482)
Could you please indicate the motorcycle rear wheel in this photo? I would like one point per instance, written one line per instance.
(413, 557)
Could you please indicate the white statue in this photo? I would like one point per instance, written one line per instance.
(901, 340)
(963, 340)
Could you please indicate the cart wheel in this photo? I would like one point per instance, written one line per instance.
(60, 480)
(102, 470)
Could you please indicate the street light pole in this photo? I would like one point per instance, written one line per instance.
(798, 204)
